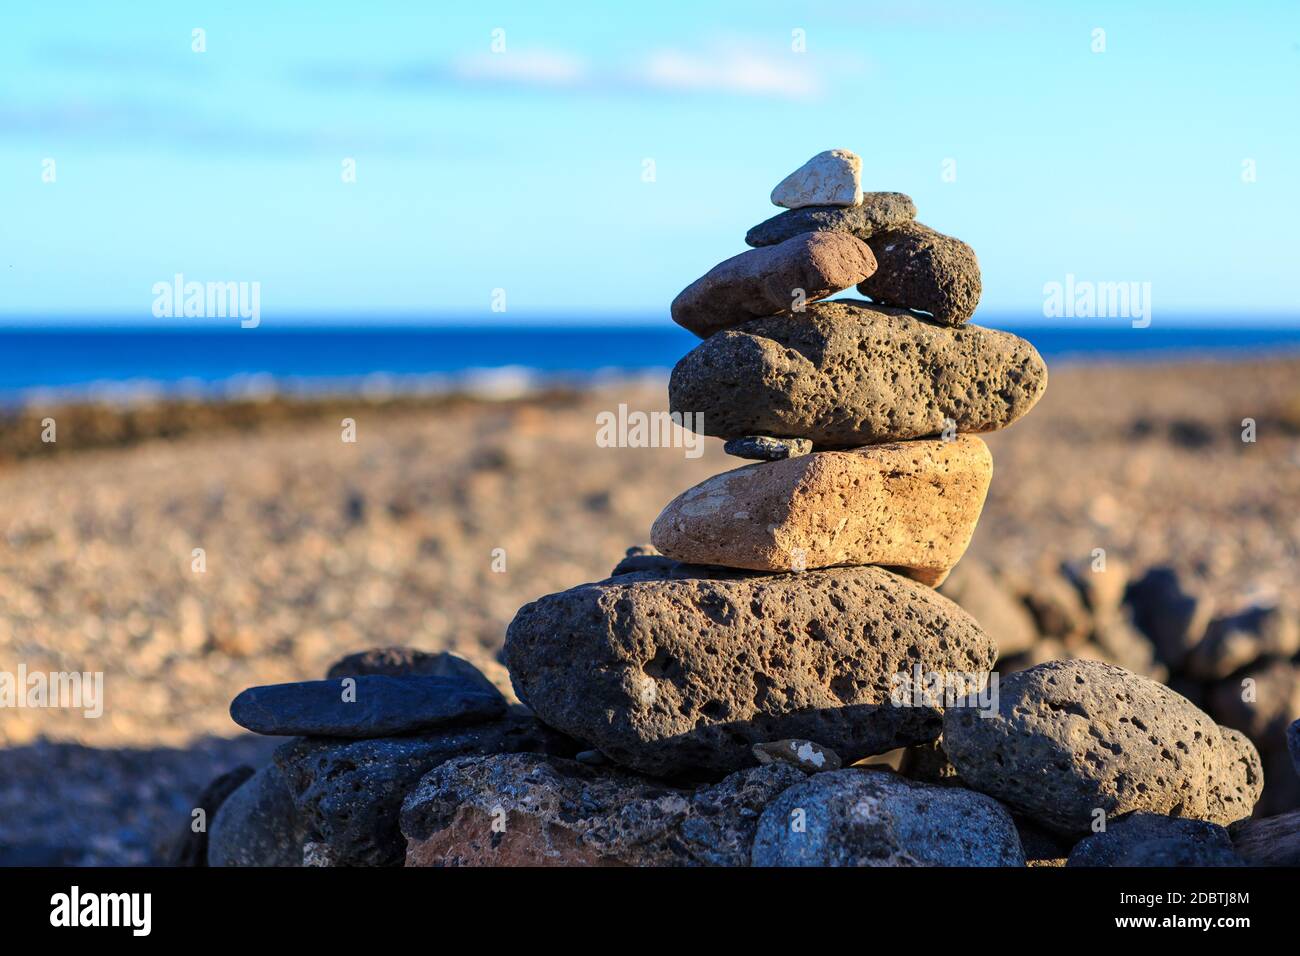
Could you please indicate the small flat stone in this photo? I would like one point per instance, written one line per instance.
(766, 281)
(831, 178)
(349, 794)
(910, 506)
(681, 672)
(378, 706)
(846, 373)
(401, 661)
(1071, 738)
(925, 271)
(859, 817)
(1141, 836)
(763, 448)
(804, 754)
(877, 212)
(642, 557)
(529, 810)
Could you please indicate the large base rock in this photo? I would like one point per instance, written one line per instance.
(528, 810)
(683, 671)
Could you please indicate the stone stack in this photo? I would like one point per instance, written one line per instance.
(790, 593)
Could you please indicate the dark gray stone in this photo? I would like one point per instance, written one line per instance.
(1073, 737)
(1293, 744)
(873, 818)
(191, 849)
(763, 448)
(529, 810)
(847, 373)
(683, 671)
(876, 212)
(1151, 836)
(383, 706)
(349, 793)
(923, 270)
(257, 825)
(408, 662)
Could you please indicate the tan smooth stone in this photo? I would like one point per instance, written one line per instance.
(909, 506)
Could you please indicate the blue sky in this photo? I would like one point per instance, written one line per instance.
(523, 170)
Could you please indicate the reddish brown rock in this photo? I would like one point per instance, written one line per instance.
(773, 279)
(925, 271)
(532, 810)
(910, 506)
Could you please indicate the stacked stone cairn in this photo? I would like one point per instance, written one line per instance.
(727, 696)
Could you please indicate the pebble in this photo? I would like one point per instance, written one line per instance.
(831, 178)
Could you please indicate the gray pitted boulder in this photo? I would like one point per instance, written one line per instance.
(926, 271)
(530, 810)
(682, 671)
(874, 818)
(257, 825)
(877, 212)
(1074, 737)
(349, 792)
(847, 373)
(1147, 836)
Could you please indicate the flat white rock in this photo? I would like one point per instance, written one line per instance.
(832, 178)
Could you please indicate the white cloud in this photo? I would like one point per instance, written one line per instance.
(525, 68)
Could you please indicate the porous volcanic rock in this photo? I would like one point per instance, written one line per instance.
(349, 792)
(1074, 737)
(766, 281)
(921, 269)
(529, 810)
(682, 671)
(860, 817)
(875, 213)
(846, 373)
(1172, 836)
(910, 506)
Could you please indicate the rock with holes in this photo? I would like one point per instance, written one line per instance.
(530, 810)
(1071, 738)
(349, 792)
(860, 817)
(846, 373)
(1141, 837)
(765, 281)
(911, 506)
(875, 213)
(923, 270)
(682, 671)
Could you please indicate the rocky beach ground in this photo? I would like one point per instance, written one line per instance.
(438, 523)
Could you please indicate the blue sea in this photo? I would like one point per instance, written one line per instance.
(104, 363)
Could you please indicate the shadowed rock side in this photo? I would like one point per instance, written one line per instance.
(846, 373)
(530, 810)
(1074, 737)
(682, 671)
(910, 506)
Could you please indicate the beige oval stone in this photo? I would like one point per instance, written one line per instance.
(909, 506)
